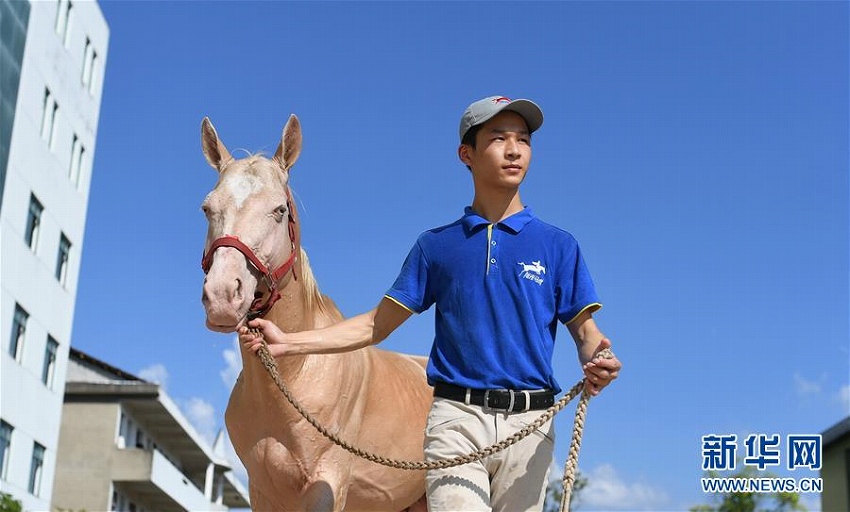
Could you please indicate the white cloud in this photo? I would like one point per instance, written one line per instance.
(844, 397)
(202, 416)
(155, 373)
(805, 387)
(606, 490)
(234, 364)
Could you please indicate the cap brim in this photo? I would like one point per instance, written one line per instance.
(528, 110)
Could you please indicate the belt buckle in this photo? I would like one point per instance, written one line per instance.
(510, 406)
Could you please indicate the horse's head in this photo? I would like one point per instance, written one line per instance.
(252, 239)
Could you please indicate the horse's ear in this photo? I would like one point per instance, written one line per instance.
(216, 154)
(290, 144)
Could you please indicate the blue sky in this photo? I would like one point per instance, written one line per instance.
(697, 150)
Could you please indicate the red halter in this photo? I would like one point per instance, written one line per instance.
(272, 278)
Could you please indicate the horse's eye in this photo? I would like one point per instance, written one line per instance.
(280, 212)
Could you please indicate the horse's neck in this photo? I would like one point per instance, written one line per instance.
(290, 314)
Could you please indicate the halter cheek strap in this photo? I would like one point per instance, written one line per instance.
(272, 278)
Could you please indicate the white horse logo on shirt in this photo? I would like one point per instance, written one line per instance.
(535, 267)
(533, 271)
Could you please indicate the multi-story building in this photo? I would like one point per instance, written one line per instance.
(125, 445)
(835, 467)
(52, 60)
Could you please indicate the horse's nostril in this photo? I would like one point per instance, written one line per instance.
(238, 293)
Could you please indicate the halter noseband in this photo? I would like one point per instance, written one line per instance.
(272, 278)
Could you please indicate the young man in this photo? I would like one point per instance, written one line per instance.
(501, 280)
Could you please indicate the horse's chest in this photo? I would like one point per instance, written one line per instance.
(273, 443)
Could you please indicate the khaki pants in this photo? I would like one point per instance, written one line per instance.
(512, 480)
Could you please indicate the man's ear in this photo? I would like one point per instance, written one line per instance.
(463, 153)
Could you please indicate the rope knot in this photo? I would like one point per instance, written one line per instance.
(606, 353)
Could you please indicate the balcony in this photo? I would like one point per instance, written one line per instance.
(156, 483)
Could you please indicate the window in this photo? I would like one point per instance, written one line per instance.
(62, 259)
(141, 439)
(48, 119)
(89, 62)
(33, 222)
(5, 448)
(19, 328)
(121, 503)
(36, 469)
(124, 425)
(49, 361)
(46, 113)
(77, 152)
(64, 10)
(131, 434)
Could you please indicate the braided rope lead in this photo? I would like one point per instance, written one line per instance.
(569, 469)
(571, 466)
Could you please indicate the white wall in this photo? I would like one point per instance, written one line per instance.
(27, 277)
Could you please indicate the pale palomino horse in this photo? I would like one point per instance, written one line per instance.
(375, 399)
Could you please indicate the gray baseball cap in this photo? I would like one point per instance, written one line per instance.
(482, 110)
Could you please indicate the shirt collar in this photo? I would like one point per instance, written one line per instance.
(472, 221)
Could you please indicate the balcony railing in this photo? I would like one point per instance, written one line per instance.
(152, 466)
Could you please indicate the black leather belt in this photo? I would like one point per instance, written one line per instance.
(506, 400)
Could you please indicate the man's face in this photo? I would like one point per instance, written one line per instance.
(502, 153)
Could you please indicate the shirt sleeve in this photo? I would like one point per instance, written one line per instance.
(576, 290)
(412, 288)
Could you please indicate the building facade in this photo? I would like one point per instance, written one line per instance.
(835, 467)
(52, 63)
(125, 446)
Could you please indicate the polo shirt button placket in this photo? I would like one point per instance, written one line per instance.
(493, 263)
(491, 246)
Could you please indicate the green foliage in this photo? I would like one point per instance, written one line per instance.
(9, 504)
(751, 501)
(555, 491)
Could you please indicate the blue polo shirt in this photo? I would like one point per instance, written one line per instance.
(500, 291)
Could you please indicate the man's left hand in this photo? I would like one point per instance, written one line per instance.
(600, 371)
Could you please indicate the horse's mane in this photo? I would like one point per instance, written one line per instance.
(315, 302)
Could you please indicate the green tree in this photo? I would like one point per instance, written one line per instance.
(556, 489)
(9, 504)
(751, 501)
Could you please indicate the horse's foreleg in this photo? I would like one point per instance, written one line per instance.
(320, 497)
(317, 497)
(259, 501)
